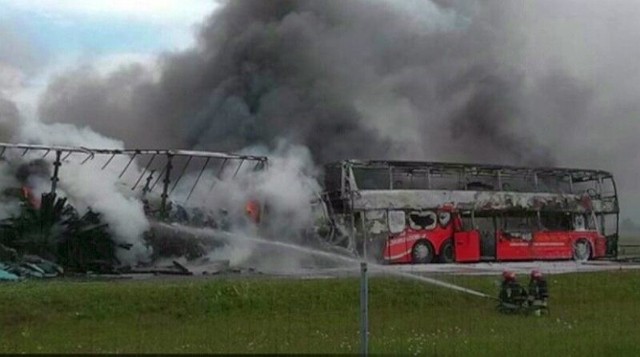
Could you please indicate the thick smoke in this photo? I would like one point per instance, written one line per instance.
(9, 119)
(286, 188)
(347, 79)
(18, 60)
(536, 83)
(85, 185)
(126, 105)
(8, 208)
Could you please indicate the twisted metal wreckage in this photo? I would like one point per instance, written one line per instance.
(364, 205)
(48, 235)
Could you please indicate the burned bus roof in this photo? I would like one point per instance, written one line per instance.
(434, 166)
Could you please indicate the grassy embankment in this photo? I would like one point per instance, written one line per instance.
(592, 314)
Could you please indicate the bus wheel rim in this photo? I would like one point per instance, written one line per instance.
(421, 251)
(581, 250)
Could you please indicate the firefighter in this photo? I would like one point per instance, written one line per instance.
(538, 292)
(512, 295)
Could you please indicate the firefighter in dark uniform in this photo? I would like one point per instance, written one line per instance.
(512, 295)
(538, 292)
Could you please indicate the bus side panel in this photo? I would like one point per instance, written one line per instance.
(467, 246)
(398, 249)
(438, 236)
(552, 245)
(509, 248)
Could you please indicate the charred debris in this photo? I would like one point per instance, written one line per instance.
(46, 236)
(53, 238)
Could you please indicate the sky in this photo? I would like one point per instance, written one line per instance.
(62, 26)
(39, 38)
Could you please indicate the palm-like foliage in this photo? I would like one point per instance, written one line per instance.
(58, 233)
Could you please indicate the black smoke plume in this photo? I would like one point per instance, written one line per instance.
(38, 168)
(313, 72)
(527, 82)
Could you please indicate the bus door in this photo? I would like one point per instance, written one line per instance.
(486, 226)
(466, 239)
(515, 236)
(397, 248)
(476, 239)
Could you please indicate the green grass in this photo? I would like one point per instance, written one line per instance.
(592, 314)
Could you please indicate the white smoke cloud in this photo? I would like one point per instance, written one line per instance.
(87, 185)
(8, 208)
(286, 188)
(289, 185)
(9, 119)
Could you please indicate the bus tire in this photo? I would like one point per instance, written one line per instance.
(447, 255)
(581, 250)
(422, 252)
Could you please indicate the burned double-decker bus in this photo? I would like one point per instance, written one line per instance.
(424, 212)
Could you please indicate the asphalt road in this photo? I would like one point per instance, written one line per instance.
(432, 270)
(546, 267)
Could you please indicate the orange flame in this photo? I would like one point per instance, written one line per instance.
(28, 194)
(252, 209)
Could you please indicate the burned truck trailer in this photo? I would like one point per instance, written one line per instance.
(48, 193)
(422, 212)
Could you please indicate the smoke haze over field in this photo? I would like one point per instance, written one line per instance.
(527, 82)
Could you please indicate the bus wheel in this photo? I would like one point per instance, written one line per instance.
(446, 252)
(581, 250)
(422, 252)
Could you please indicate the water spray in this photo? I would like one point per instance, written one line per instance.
(333, 256)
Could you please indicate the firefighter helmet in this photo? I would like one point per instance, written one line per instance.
(536, 274)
